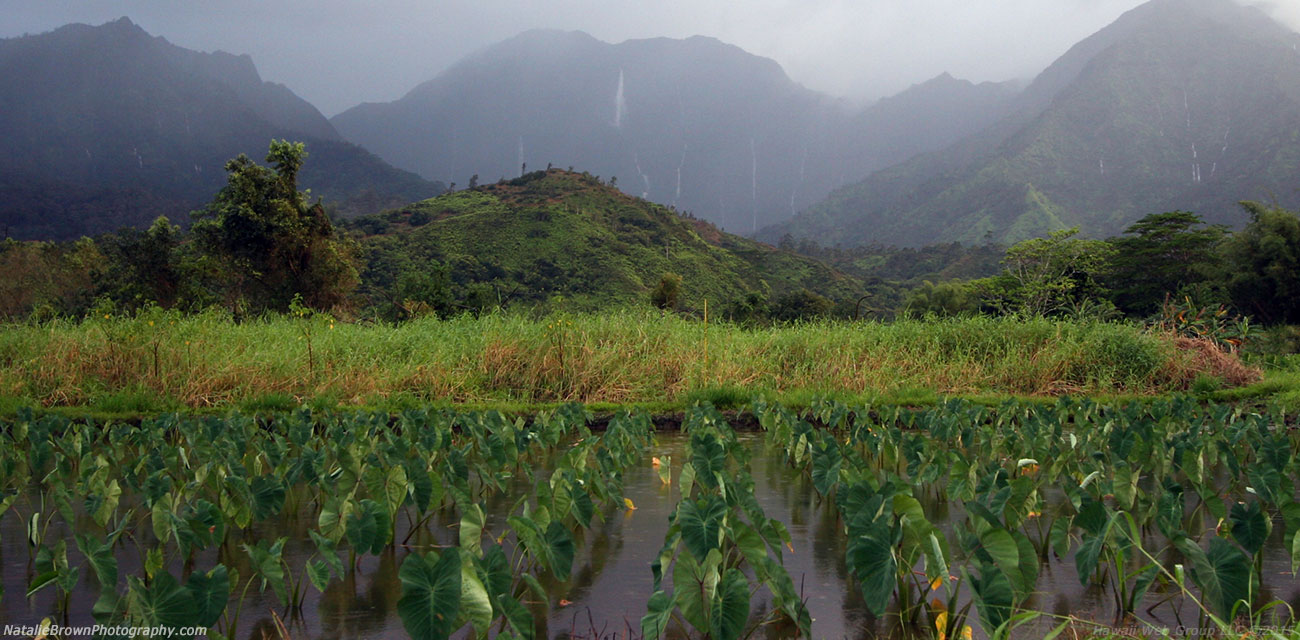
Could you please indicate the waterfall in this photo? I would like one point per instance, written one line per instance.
(620, 103)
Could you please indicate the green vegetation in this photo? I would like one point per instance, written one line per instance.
(942, 519)
(555, 234)
(207, 360)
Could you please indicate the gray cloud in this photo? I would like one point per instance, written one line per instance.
(336, 53)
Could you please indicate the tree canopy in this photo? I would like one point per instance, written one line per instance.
(270, 241)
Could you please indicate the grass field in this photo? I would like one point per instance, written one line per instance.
(162, 361)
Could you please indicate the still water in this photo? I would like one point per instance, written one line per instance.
(611, 582)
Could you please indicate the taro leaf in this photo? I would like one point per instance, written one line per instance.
(1267, 483)
(870, 557)
(1169, 513)
(475, 605)
(328, 550)
(268, 497)
(1092, 516)
(519, 617)
(1250, 527)
(700, 523)
(369, 528)
(1086, 558)
(1060, 536)
(826, 466)
(694, 586)
(421, 486)
(993, 595)
(583, 509)
(319, 573)
(665, 470)
(162, 603)
(101, 560)
(1027, 577)
(1223, 574)
(658, 612)
(1000, 546)
(268, 564)
(730, 608)
(498, 578)
(110, 496)
(471, 530)
(209, 591)
(559, 550)
(396, 489)
(709, 459)
(431, 591)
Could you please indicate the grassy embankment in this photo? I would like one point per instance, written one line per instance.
(161, 361)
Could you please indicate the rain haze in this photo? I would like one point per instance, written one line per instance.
(338, 54)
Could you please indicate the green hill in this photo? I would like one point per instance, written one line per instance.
(560, 233)
(1180, 104)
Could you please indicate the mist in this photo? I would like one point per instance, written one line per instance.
(337, 54)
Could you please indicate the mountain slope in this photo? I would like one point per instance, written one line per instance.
(1180, 104)
(106, 126)
(560, 233)
(695, 124)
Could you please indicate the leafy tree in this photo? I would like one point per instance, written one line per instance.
(1264, 261)
(1045, 275)
(269, 241)
(800, 305)
(1160, 256)
(748, 310)
(144, 266)
(666, 293)
(943, 299)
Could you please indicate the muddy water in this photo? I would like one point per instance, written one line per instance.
(611, 581)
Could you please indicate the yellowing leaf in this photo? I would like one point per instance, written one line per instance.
(934, 584)
(629, 504)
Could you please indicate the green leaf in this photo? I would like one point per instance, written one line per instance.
(102, 562)
(730, 609)
(475, 605)
(826, 466)
(560, 550)
(709, 459)
(694, 585)
(210, 591)
(993, 595)
(1223, 573)
(162, 603)
(471, 530)
(701, 522)
(431, 593)
(870, 557)
(268, 497)
(658, 612)
(1250, 526)
(319, 574)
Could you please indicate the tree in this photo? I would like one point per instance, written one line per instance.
(666, 293)
(143, 266)
(1160, 256)
(1264, 262)
(801, 305)
(1045, 275)
(269, 242)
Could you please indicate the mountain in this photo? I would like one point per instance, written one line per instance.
(695, 124)
(1179, 104)
(555, 232)
(107, 126)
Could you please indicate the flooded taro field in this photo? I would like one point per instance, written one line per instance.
(831, 522)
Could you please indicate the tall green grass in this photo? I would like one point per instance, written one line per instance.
(209, 360)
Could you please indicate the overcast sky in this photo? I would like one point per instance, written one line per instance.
(336, 53)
